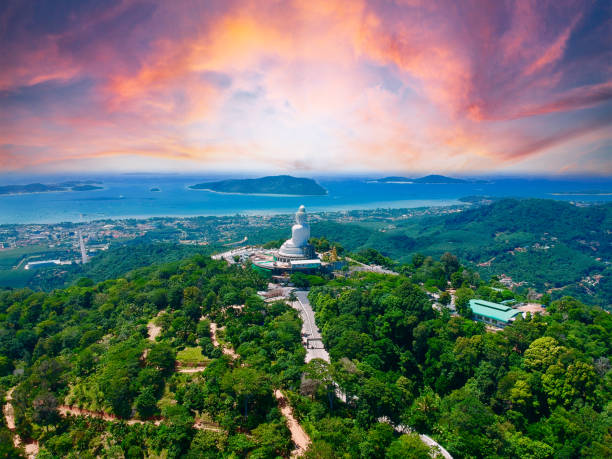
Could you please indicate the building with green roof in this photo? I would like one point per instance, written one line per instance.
(495, 314)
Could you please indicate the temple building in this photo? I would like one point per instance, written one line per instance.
(296, 254)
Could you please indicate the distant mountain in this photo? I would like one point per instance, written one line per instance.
(277, 184)
(30, 188)
(86, 185)
(439, 179)
(394, 179)
(432, 179)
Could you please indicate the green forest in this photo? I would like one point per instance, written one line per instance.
(123, 349)
(559, 244)
(110, 264)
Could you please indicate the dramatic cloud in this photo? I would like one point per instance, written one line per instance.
(318, 85)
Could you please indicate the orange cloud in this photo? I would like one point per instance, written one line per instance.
(421, 85)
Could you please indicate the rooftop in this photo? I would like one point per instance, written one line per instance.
(314, 261)
(493, 310)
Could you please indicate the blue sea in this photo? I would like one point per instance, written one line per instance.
(130, 195)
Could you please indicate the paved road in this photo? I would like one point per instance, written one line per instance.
(309, 327)
(431, 442)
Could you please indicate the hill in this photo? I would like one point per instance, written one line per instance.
(185, 360)
(428, 179)
(86, 185)
(552, 246)
(277, 184)
(116, 261)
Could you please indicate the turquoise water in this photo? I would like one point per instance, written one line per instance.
(130, 196)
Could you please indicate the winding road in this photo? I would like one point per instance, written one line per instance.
(310, 328)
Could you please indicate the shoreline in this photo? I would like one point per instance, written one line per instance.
(580, 194)
(272, 195)
(21, 193)
(398, 182)
(400, 204)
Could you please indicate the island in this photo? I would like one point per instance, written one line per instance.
(155, 189)
(85, 188)
(428, 179)
(275, 185)
(86, 185)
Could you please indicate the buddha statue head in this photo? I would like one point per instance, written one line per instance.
(300, 215)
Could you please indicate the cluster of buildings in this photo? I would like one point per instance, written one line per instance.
(508, 282)
(295, 254)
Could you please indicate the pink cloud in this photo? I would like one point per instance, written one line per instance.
(305, 82)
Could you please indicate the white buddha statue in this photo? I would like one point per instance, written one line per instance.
(297, 246)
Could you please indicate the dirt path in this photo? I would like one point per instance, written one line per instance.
(9, 413)
(190, 369)
(213, 336)
(67, 410)
(31, 449)
(154, 330)
(298, 435)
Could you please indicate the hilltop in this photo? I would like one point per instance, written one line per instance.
(85, 185)
(275, 184)
(428, 179)
(549, 245)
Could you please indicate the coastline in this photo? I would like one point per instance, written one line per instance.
(579, 194)
(416, 183)
(21, 193)
(274, 195)
(343, 195)
(229, 212)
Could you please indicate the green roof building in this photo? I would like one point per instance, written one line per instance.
(495, 314)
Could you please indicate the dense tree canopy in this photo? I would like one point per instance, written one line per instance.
(540, 388)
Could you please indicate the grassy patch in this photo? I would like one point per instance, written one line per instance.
(191, 356)
(11, 257)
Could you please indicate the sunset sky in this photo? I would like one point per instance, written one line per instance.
(458, 87)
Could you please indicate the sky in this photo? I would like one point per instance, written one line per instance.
(304, 86)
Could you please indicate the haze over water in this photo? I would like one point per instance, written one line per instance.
(126, 196)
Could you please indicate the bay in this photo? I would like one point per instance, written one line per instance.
(130, 196)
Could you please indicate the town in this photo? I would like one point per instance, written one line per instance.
(38, 245)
